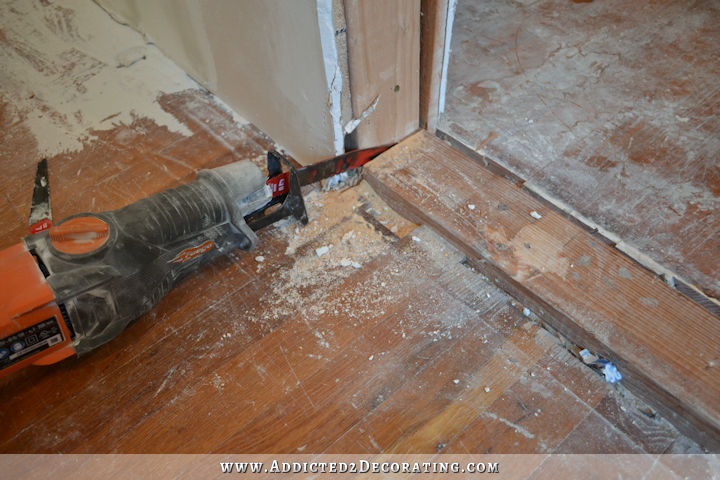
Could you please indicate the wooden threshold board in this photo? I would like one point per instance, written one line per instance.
(665, 345)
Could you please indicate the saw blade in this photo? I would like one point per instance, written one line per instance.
(313, 173)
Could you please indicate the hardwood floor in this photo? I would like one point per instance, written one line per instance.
(661, 341)
(608, 107)
(390, 341)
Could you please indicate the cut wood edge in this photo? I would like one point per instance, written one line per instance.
(675, 402)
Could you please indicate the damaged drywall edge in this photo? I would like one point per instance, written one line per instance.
(333, 74)
(341, 44)
(353, 124)
(446, 54)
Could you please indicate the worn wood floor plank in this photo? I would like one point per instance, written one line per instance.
(277, 365)
(664, 344)
(614, 114)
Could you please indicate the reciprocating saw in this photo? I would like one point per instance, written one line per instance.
(76, 285)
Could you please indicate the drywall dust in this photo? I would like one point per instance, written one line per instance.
(69, 70)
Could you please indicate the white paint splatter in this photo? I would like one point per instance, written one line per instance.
(70, 70)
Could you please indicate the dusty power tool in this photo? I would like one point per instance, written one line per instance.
(74, 286)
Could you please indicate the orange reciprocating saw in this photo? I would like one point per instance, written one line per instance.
(75, 285)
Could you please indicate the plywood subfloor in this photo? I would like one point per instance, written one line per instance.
(609, 106)
(389, 342)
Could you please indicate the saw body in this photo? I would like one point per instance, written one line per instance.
(76, 286)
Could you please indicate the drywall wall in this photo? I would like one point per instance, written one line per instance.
(270, 60)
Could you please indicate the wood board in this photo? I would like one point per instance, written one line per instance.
(433, 26)
(664, 344)
(384, 61)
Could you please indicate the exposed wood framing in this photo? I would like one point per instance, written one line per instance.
(384, 60)
(433, 25)
(664, 344)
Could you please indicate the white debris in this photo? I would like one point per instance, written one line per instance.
(416, 239)
(322, 250)
(371, 357)
(526, 311)
(456, 381)
(346, 262)
(588, 357)
(487, 389)
(259, 259)
(471, 206)
(336, 182)
(535, 215)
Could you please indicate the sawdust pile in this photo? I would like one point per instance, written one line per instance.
(336, 243)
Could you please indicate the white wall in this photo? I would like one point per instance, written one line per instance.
(264, 58)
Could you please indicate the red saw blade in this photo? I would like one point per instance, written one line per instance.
(325, 169)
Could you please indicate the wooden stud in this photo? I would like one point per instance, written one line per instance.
(384, 57)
